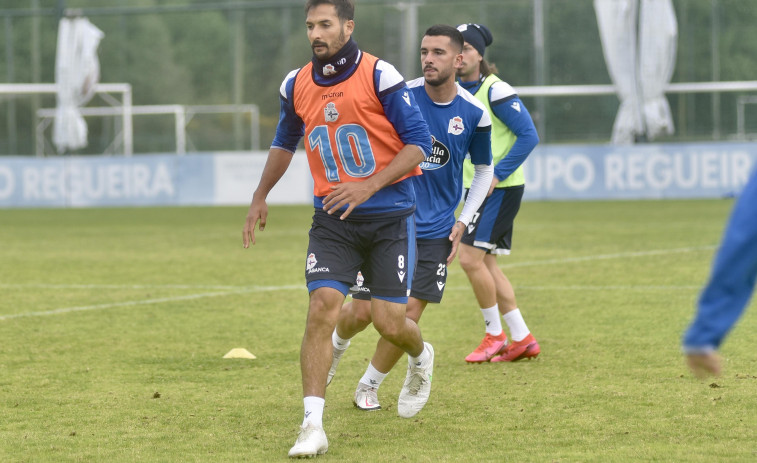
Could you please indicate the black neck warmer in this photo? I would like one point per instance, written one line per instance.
(337, 64)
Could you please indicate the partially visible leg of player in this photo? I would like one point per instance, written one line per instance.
(390, 321)
(314, 365)
(523, 345)
(472, 260)
(384, 358)
(354, 317)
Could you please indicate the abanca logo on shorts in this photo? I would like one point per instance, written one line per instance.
(358, 286)
(310, 266)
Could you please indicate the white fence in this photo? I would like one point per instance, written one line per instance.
(182, 116)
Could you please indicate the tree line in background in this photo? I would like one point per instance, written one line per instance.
(198, 52)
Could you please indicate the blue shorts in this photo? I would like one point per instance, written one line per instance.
(430, 275)
(383, 249)
(492, 226)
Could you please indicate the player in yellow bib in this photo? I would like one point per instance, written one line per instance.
(490, 232)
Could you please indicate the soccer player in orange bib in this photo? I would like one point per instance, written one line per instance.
(364, 139)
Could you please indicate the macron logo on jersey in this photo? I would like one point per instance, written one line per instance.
(401, 275)
(440, 285)
(406, 97)
(515, 106)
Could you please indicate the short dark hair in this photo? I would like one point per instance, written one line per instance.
(345, 9)
(455, 36)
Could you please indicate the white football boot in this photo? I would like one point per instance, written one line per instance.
(366, 398)
(417, 387)
(310, 442)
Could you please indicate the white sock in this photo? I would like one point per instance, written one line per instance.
(422, 359)
(313, 410)
(338, 342)
(518, 328)
(491, 318)
(372, 377)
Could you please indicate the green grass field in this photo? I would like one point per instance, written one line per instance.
(113, 324)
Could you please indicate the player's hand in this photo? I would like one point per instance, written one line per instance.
(495, 181)
(258, 212)
(455, 236)
(704, 364)
(352, 194)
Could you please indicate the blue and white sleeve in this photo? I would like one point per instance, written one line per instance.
(480, 150)
(290, 128)
(508, 108)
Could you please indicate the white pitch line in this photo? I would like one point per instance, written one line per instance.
(112, 286)
(238, 290)
(611, 287)
(65, 310)
(567, 260)
(594, 288)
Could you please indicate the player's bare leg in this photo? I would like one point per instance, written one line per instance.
(504, 289)
(315, 359)
(315, 353)
(387, 354)
(473, 262)
(522, 343)
(354, 317)
(384, 359)
(390, 320)
(481, 280)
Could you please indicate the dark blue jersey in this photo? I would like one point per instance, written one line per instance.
(460, 127)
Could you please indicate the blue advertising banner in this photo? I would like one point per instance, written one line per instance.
(84, 181)
(553, 172)
(701, 170)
